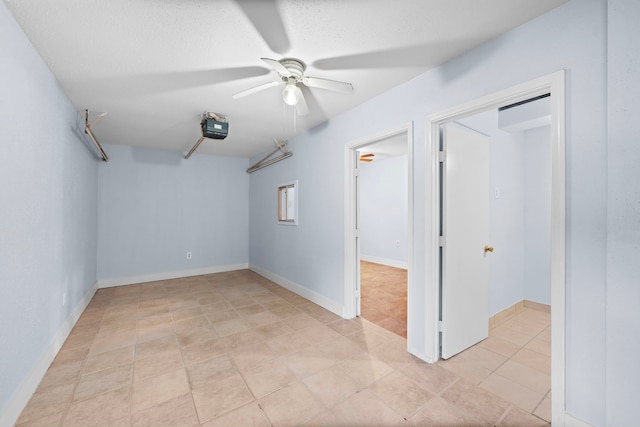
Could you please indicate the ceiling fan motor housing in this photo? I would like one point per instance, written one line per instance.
(214, 129)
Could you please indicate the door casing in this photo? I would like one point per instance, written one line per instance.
(555, 84)
(351, 255)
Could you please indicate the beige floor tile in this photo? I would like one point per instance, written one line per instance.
(475, 403)
(202, 351)
(269, 377)
(431, 377)
(114, 341)
(543, 410)
(393, 352)
(301, 321)
(368, 340)
(252, 356)
(109, 359)
(195, 335)
(290, 406)
(189, 313)
(513, 392)
(273, 330)
(241, 340)
(247, 416)
(212, 370)
(320, 333)
(505, 332)
(175, 412)
(99, 410)
(287, 344)
(153, 332)
(341, 348)
(307, 362)
(158, 389)
(365, 372)
(499, 346)
(345, 327)
(221, 396)
(470, 370)
(156, 365)
(527, 328)
(533, 359)
(401, 394)
(332, 385)
(192, 322)
(156, 347)
(216, 316)
(52, 401)
(51, 420)
(365, 409)
(519, 418)
(539, 345)
(438, 412)
(261, 318)
(526, 376)
(60, 376)
(102, 381)
(230, 327)
(324, 419)
(70, 356)
(545, 335)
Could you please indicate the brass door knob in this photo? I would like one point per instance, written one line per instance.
(488, 249)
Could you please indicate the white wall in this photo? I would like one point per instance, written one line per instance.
(623, 215)
(571, 37)
(155, 206)
(384, 211)
(537, 220)
(48, 211)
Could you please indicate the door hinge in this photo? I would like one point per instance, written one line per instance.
(442, 156)
(441, 241)
(439, 325)
(357, 233)
(356, 172)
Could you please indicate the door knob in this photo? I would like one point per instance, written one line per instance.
(488, 249)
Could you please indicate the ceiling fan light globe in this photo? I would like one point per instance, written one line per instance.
(291, 94)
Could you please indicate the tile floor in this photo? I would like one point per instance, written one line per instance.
(384, 296)
(234, 349)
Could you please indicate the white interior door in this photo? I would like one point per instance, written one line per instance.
(465, 228)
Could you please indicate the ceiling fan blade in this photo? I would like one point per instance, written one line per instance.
(366, 159)
(333, 85)
(410, 56)
(265, 17)
(301, 107)
(255, 89)
(367, 155)
(276, 65)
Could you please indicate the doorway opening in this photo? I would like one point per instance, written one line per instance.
(554, 85)
(378, 239)
(512, 350)
(382, 199)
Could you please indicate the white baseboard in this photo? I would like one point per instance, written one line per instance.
(121, 281)
(385, 261)
(312, 296)
(21, 396)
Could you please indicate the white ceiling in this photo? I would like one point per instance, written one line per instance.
(156, 65)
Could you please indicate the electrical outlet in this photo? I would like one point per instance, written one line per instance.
(397, 242)
(189, 254)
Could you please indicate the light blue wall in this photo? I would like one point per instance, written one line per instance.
(48, 208)
(571, 37)
(623, 219)
(155, 206)
(384, 209)
(537, 221)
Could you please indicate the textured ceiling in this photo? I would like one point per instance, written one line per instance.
(156, 65)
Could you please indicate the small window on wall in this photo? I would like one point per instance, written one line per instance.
(288, 203)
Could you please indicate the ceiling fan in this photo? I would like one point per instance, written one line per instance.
(291, 72)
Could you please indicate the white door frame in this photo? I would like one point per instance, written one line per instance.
(351, 256)
(555, 84)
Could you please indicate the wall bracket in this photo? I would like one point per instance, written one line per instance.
(268, 160)
(88, 131)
